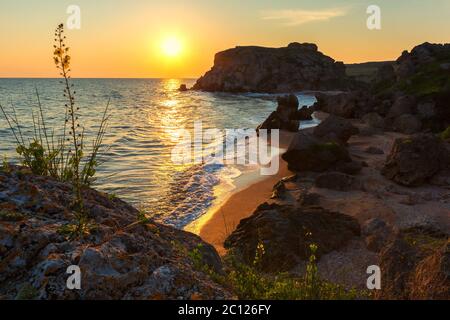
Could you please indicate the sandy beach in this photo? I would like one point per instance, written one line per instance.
(251, 190)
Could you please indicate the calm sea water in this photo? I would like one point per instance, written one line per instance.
(145, 113)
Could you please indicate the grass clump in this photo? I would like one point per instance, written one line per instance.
(6, 215)
(63, 154)
(248, 282)
(445, 135)
(27, 292)
(5, 167)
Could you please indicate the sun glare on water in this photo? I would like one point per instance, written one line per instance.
(171, 47)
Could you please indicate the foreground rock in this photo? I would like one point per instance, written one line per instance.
(286, 233)
(335, 129)
(416, 265)
(415, 160)
(257, 69)
(119, 259)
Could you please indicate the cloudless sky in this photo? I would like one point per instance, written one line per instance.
(122, 38)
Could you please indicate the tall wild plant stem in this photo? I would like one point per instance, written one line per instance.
(63, 66)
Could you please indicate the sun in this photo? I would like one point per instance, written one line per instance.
(171, 47)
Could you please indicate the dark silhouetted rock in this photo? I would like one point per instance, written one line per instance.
(386, 74)
(286, 233)
(308, 153)
(416, 159)
(407, 123)
(285, 116)
(344, 104)
(402, 105)
(183, 88)
(335, 129)
(257, 69)
(373, 119)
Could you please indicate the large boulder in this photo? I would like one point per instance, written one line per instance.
(258, 69)
(416, 159)
(121, 255)
(308, 153)
(407, 123)
(374, 120)
(335, 129)
(402, 105)
(286, 233)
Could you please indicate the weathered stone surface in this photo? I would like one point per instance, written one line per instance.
(376, 234)
(119, 259)
(257, 69)
(402, 105)
(285, 116)
(286, 233)
(308, 153)
(335, 129)
(345, 104)
(414, 160)
(407, 123)
(335, 181)
(373, 150)
(373, 119)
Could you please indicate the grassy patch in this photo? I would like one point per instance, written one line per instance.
(6, 215)
(445, 135)
(27, 292)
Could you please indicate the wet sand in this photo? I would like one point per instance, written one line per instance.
(251, 190)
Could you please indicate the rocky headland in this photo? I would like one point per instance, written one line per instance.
(299, 66)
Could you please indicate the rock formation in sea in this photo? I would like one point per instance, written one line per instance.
(297, 67)
(287, 116)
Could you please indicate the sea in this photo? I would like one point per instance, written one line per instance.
(146, 116)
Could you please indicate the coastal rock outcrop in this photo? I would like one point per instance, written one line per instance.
(284, 118)
(344, 104)
(308, 153)
(121, 256)
(258, 69)
(286, 233)
(416, 159)
(335, 129)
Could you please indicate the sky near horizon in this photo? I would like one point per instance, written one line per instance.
(121, 38)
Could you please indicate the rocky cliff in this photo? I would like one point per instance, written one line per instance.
(258, 69)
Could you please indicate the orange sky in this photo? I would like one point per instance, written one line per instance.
(124, 38)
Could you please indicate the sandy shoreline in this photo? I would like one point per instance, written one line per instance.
(251, 190)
